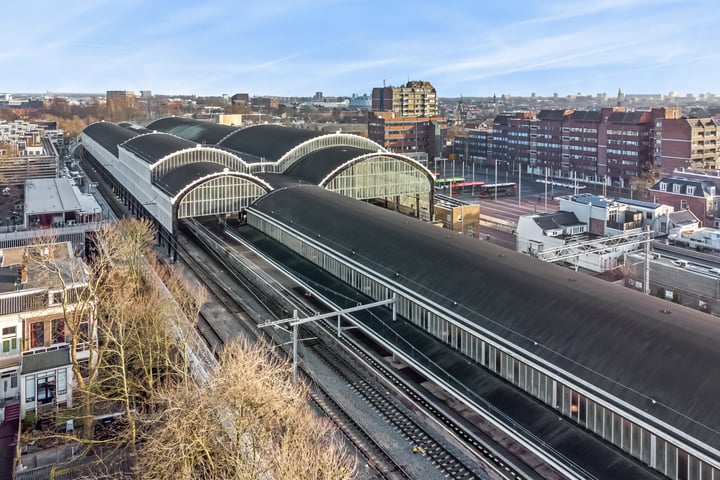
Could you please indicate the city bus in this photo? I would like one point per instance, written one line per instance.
(468, 187)
(445, 182)
(503, 190)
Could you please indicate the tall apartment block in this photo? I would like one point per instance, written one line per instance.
(121, 104)
(415, 99)
(405, 120)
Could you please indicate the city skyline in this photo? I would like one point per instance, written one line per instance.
(461, 47)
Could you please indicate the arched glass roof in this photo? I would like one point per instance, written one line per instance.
(318, 165)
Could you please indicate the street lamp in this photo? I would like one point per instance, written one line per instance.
(496, 165)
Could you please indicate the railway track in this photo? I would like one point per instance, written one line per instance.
(370, 391)
(375, 454)
(377, 457)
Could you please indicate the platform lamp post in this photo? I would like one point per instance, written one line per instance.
(496, 166)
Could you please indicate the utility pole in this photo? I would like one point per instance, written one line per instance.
(646, 277)
(546, 181)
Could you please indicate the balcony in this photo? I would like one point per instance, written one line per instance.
(624, 226)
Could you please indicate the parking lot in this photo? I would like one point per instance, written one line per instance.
(11, 205)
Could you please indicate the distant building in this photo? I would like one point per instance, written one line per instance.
(121, 104)
(701, 197)
(687, 143)
(361, 102)
(474, 146)
(610, 145)
(415, 99)
(29, 151)
(421, 138)
(264, 104)
(240, 99)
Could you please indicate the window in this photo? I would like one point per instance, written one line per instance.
(58, 330)
(676, 188)
(683, 205)
(690, 190)
(30, 388)
(9, 339)
(62, 382)
(663, 187)
(37, 334)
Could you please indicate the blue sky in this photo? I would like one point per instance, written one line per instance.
(340, 47)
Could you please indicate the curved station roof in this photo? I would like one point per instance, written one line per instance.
(660, 359)
(181, 152)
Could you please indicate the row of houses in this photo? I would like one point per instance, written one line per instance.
(42, 305)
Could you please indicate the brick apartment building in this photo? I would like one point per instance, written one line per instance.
(687, 143)
(405, 120)
(473, 147)
(420, 138)
(609, 145)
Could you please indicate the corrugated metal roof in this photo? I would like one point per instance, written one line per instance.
(109, 135)
(613, 338)
(50, 195)
(178, 178)
(155, 146)
(194, 130)
(270, 142)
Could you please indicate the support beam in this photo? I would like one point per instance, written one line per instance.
(295, 321)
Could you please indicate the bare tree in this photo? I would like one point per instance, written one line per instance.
(249, 421)
(245, 419)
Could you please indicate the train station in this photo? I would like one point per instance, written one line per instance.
(181, 168)
(598, 380)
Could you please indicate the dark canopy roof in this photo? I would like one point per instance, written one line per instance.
(109, 135)
(552, 114)
(177, 179)
(194, 130)
(627, 117)
(46, 360)
(318, 164)
(154, 146)
(585, 116)
(661, 358)
(270, 142)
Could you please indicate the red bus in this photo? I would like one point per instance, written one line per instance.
(467, 187)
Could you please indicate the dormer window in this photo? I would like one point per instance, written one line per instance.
(676, 188)
(690, 190)
(663, 186)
